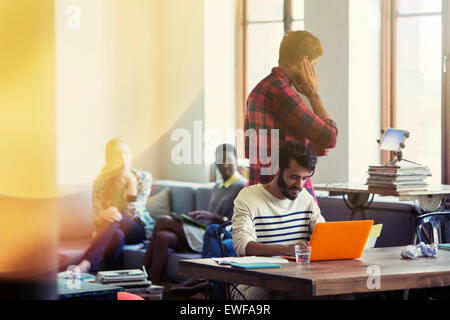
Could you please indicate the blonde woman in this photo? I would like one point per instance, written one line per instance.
(120, 216)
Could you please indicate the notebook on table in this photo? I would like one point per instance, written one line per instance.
(255, 265)
(444, 246)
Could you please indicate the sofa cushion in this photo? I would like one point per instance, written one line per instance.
(182, 194)
(202, 197)
(159, 204)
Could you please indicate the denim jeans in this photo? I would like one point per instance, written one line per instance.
(109, 242)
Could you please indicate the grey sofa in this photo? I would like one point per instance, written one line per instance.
(76, 227)
(76, 210)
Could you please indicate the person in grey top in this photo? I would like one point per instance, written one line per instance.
(180, 235)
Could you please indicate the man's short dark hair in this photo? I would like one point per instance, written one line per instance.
(300, 153)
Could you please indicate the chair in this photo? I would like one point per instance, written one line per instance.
(222, 289)
(220, 232)
(434, 227)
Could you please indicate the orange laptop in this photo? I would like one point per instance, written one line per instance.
(339, 240)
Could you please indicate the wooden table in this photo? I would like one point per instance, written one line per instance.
(321, 278)
(429, 200)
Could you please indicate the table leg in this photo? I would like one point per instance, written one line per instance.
(356, 209)
(414, 238)
(363, 213)
(358, 202)
(405, 295)
(352, 214)
(429, 203)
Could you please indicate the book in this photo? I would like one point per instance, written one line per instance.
(390, 180)
(395, 177)
(400, 187)
(255, 265)
(185, 218)
(249, 259)
(418, 170)
(399, 168)
(398, 174)
(395, 183)
(394, 191)
(444, 246)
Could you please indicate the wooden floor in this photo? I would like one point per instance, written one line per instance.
(168, 296)
(396, 295)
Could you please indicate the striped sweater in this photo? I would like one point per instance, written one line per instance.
(261, 217)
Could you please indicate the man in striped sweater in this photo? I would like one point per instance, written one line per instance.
(270, 219)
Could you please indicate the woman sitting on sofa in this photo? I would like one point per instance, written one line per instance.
(120, 216)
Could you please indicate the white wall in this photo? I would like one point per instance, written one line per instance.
(182, 84)
(328, 20)
(220, 75)
(137, 70)
(197, 83)
(349, 83)
(82, 97)
(364, 87)
(107, 84)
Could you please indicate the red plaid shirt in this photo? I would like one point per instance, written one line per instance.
(274, 104)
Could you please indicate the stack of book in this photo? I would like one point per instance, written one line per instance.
(392, 179)
(133, 278)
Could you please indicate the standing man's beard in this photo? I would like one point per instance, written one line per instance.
(285, 189)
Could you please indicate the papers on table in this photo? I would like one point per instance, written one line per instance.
(252, 259)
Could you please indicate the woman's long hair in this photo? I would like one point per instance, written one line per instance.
(113, 165)
(112, 157)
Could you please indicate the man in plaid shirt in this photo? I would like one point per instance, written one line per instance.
(276, 113)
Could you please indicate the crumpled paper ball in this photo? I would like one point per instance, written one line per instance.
(422, 249)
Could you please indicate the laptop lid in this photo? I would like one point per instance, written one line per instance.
(339, 240)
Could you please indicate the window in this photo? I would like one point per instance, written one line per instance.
(259, 33)
(414, 89)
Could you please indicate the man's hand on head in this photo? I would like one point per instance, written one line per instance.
(309, 85)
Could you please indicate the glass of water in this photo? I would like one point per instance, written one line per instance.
(302, 254)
